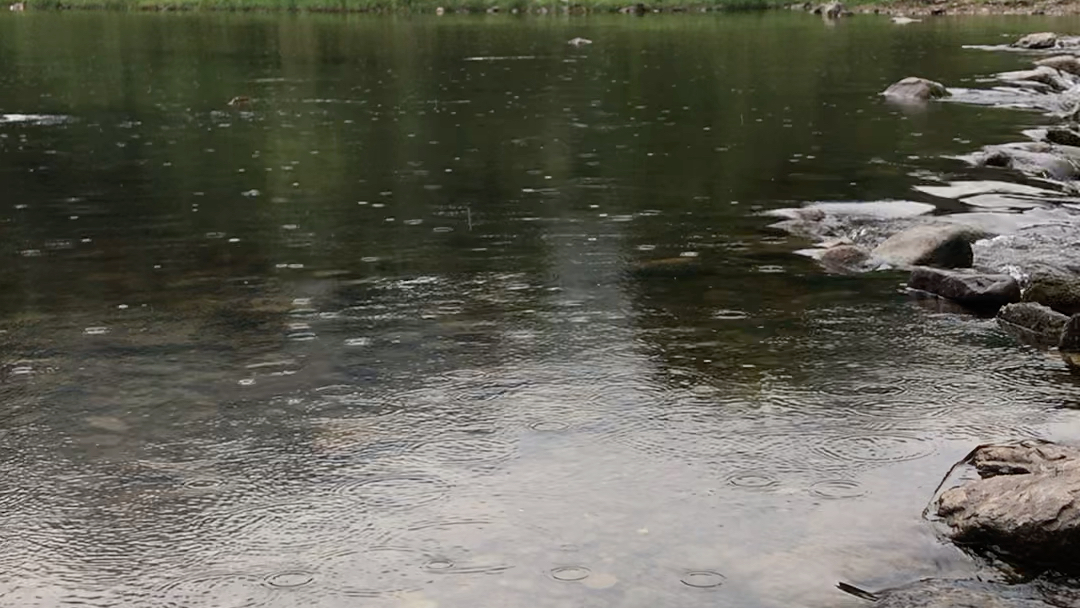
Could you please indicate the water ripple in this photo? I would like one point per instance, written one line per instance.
(394, 492)
(876, 448)
(235, 590)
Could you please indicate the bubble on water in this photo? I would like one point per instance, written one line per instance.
(246, 382)
(702, 579)
(570, 574)
(730, 315)
(251, 193)
(96, 331)
(369, 259)
(358, 342)
(688, 254)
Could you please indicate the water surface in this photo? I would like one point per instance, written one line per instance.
(446, 312)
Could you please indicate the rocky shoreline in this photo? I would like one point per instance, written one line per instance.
(1015, 255)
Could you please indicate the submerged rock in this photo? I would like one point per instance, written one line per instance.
(1032, 323)
(1041, 40)
(1025, 506)
(938, 593)
(972, 290)
(941, 245)
(916, 89)
(1065, 63)
(1058, 292)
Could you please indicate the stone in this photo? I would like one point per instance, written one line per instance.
(1063, 136)
(1069, 343)
(1065, 63)
(939, 593)
(1032, 323)
(970, 289)
(1060, 293)
(844, 258)
(831, 10)
(1024, 507)
(942, 245)
(1053, 79)
(913, 88)
(1041, 40)
(1033, 158)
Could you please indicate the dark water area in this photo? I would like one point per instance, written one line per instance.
(402, 328)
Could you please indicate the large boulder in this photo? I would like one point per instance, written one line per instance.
(970, 289)
(1032, 323)
(1065, 63)
(941, 245)
(1058, 292)
(1025, 506)
(1041, 40)
(916, 89)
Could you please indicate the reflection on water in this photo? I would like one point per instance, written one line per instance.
(450, 313)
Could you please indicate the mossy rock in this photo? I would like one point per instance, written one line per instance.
(1057, 292)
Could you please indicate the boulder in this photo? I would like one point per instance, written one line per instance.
(1058, 292)
(942, 245)
(1065, 63)
(973, 290)
(916, 89)
(844, 258)
(1024, 507)
(939, 593)
(1032, 323)
(1041, 40)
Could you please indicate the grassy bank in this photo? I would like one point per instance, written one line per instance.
(412, 6)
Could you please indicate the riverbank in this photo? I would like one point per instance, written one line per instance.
(534, 7)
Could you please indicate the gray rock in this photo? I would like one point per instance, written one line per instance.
(1065, 63)
(937, 593)
(1060, 293)
(1041, 40)
(844, 259)
(1032, 158)
(1052, 78)
(1069, 343)
(916, 89)
(1024, 507)
(973, 290)
(1032, 323)
(941, 245)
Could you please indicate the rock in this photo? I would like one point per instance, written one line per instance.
(1069, 343)
(1041, 40)
(1033, 158)
(1025, 507)
(1063, 136)
(844, 258)
(916, 89)
(831, 10)
(1058, 292)
(1032, 323)
(973, 290)
(937, 593)
(1065, 63)
(1052, 78)
(942, 245)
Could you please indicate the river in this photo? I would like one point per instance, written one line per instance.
(389, 329)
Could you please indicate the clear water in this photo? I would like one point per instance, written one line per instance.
(391, 331)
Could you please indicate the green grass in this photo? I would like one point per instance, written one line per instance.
(406, 6)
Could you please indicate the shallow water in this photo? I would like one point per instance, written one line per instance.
(392, 331)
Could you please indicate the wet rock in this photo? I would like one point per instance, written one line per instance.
(1032, 323)
(1053, 79)
(972, 290)
(1041, 40)
(1033, 158)
(1063, 136)
(831, 10)
(1069, 343)
(1058, 292)
(1025, 506)
(941, 245)
(938, 593)
(1065, 63)
(916, 89)
(842, 258)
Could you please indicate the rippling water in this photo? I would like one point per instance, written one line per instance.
(447, 312)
